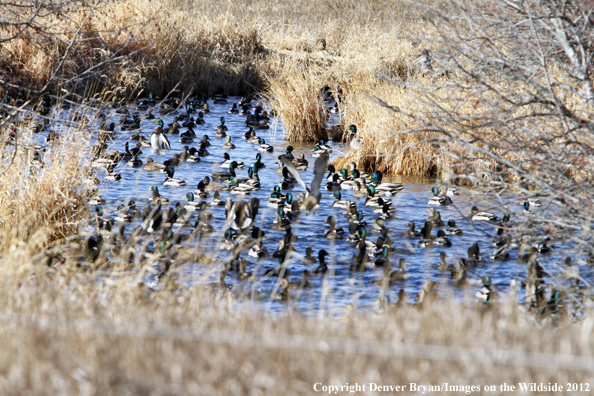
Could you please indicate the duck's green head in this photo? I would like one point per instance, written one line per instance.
(435, 191)
(160, 122)
(317, 148)
(344, 174)
(331, 169)
(362, 232)
(402, 264)
(376, 177)
(226, 156)
(152, 96)
(289, 198)
(188, 107)
(234, 181)
(232, 165)
(385, 252)
(99, 210)
(277, 189)
(526, 206)
(355, 173)
(121, 207)
(222, 120)
(258, 165)
(451, 223)
(200, 114)
(154, 188)
(337, 195)
(486, 281)
(170, 172)
(289, 149)
(190, 195)
(261, 141)
(132, 204)
(258, 157)
(36, 156)
(335, 178)
(505, 218)
(274, 195)
(281, 210)
(371, 191)
(228, 235)
(353, 129)
(250, 171)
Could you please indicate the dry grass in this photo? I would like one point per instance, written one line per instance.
(39, 204)
(298, 100)
(62, 333)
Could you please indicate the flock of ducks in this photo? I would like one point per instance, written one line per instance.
(242, 235)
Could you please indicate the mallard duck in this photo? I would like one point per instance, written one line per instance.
(474, 256)
(228, 243)
(385, 189)
(221, 129)
(157, 198)
(435, 218)
(338, 202)
(216, 200)
(478, 215)
(233, 109)
(313, 195)
(300, 162)
(334, 185)
(111, 175)
(438, 199)
(213, 186)
(452, 229)
(411, 230)
(441, 239)
(323, 267)
(486, 294)
(227, 161)
(372, 200)
(308, 258)
(355, 141)
(319, 152)
(175, 160)
(171, 181)
(135, 162)
(400, 274)
(288, 154)
(333, 232)
(202, 151)
(228, 145)
(205, 141)
(253, 139)
(151, 165)
(265, 147)
(192, 204)
(158, 140)
(193, 155)
(239, 188)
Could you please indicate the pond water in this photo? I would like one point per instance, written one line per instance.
(341, 286)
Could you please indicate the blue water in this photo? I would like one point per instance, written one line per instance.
(342, 286)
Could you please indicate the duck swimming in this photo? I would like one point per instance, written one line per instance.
(171, 181)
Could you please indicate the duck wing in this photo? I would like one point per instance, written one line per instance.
(319, 171)
(289, 165)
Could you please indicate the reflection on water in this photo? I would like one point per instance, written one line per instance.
(343, 286)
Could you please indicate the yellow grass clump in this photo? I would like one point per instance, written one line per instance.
(40, 202)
